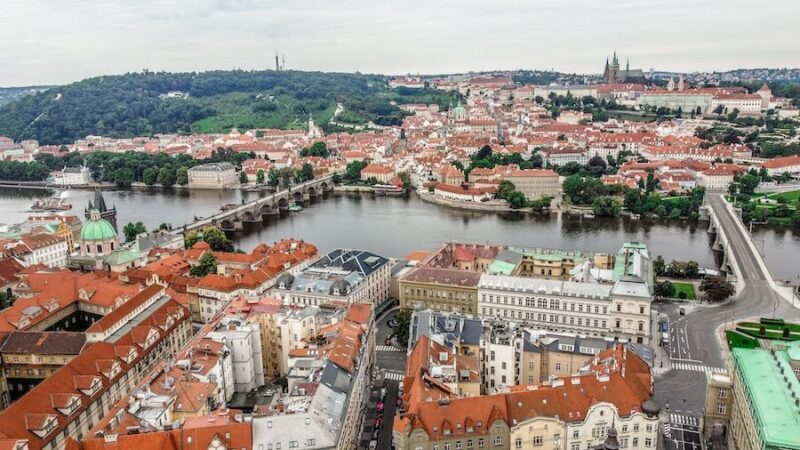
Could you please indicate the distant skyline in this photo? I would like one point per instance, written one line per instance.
(46, 42)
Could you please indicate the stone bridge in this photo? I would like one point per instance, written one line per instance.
(253, 211)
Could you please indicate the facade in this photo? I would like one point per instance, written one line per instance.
(536, 184)
(447, 290)
(243, 339)
(75, 176)
(568, 413)
(47, 249)
(784, 164)
(766, 395)
(213, 176)
(342, 277)
(99, 204)
(718, 403)
(383, 174)
(98, 237)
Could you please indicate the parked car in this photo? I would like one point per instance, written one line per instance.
(378, 423)
(373, 444)
(375, 434)
(383, 393)
(682, 310)
(379, 407)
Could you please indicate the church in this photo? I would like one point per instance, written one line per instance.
(613, 74)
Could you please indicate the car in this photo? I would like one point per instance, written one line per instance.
(663, 326)
(375, 434)
(373, 444)
(379, 407)
(682, 311)
(383, 393)
(378, 423)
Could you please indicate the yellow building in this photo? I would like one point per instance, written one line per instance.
(440, 290)
(31, 356)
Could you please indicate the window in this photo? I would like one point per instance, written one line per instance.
(635, 429)
(722, 393)
(641, 310)
(311, 442)
(635, 442)
(458, 445)
(625, 428)
(575, 434)
(293, 444)
(518, 443)
(558, 366)
(469, 443)
(623, 443)
(538, 440)
(446, 446)
(575, 446)
(649, 427)
(721, 408)
(498, 441)
(619, 307)
(435, 446)
(480, 442)
(648, 442)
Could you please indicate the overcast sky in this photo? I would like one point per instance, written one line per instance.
(55, 41)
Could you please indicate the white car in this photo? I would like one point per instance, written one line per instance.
(373, 445)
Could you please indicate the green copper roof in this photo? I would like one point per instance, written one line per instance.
(501, 267)
(97, 230)
(776, 415)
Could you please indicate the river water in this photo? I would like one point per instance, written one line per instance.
(396, 226)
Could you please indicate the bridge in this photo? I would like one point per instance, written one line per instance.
(742, 261)
(232, 219)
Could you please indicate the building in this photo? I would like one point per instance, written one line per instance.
(128, 343)
(213, 176)
(536, 184)
(567, 413)
(105, 213)
(563, 156)
(98, 237)
(323, 408)
(613, 74)
(31, 356)
(41, 248)
(462, 193)
(243, 339)
(381, 173)
(342, 277)
(75, 176)
(440, 289)
(766, 396)
(620, 309)
(783, 164)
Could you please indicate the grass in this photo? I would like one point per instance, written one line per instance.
(687, 288)
(791, 196)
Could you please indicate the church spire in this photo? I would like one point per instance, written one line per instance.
(615, 61)
(627, 65)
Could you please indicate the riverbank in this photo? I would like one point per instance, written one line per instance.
(354, 188)
(490, 206)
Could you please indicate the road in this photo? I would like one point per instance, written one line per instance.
(695, 344)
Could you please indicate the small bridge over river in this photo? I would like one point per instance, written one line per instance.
(253, 211)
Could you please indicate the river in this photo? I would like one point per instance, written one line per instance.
(395, 226)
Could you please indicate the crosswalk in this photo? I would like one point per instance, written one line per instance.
(680, 419)
(387, 348)
(696, 367)
(393, 376)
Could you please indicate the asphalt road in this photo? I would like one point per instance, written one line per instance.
(694, 339)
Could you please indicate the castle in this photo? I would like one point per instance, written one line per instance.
(613, 74)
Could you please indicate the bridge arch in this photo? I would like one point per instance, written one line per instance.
(311, 190)
(267, 209)
(283, 203)
(247, 216)
(298, 196)
(227, 224)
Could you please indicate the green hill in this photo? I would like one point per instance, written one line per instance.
(136, 104)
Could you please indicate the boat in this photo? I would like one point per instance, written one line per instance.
(50, 204)
(294, 207)
(388, 189)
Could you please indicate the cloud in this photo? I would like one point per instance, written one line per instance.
(59, 42)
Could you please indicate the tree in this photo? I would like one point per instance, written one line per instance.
(317, 149)
(150, 176)
(213, 236)
(691, 269)
(131, 230)
(243, 178)
(659, 266)
(664, 289)
(260, 177)
(748, 183)
(353, 171)
(206, 265)
(597, 166)
(504, 189)
(273, 179)
(516, 199)
(306, 172)
(402, 325)
(166, 176)
(483, 153)
(650, 184)
(182, 176)
(716, 288)
(606, 206)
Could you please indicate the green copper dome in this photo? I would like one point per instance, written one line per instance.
(97, 229)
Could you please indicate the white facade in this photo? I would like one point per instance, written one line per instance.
(212, 176)
(635, 431)
(244, 341)
(75, 176)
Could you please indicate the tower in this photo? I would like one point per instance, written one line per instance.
(277, 64)
(680, 83)
(100, 205)
(671, 84)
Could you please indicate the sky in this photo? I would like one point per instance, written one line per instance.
(56, 42)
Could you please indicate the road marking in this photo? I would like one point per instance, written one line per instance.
(387, 348)
(680, 419)
(394, 376)
(697, 368)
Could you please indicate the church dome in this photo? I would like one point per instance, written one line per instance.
(97, 229)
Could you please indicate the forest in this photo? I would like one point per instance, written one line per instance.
(136, 104)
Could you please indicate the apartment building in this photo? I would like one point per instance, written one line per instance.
(440, 289)
(213, 176)
(70, 402)
(577, 412)
(243, 338)
(340, 278)
(535, 183)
